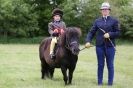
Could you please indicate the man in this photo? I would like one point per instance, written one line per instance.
(56, 28)
(107, 30)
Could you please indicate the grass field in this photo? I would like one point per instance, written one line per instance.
(20, 68)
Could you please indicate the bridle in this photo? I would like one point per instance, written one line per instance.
(68, 44)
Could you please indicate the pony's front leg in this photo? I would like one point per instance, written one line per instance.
(71, 70)
(64, 72)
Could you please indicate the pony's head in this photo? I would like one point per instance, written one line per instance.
(72, 35)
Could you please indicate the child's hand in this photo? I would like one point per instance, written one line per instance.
(55, 33)
(62, 31)
(55, 30)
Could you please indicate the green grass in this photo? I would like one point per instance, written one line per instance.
(37, 40)
(12, 40)
(20, 68)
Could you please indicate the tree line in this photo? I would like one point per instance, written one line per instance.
(29, 18)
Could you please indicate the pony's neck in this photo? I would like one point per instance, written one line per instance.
(62, 40)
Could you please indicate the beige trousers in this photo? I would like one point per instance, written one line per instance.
(52, 45)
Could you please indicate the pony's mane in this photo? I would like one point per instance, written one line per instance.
(70, 32)
(73, 30)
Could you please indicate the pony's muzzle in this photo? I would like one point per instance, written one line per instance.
(75, 51)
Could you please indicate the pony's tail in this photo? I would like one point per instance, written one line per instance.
(43, 46)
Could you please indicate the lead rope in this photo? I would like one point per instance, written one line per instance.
(109, 39)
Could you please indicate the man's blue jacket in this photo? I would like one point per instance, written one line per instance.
(109, 25)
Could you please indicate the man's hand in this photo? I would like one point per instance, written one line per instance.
(106, 35)
(87, 45)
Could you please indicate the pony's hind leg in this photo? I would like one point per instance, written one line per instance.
(44, 69)
(51, 72)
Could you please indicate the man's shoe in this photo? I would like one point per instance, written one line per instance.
(110, 84)
(100, 84)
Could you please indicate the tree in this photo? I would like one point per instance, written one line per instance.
(82, 13)
(44, 8)
(17, 19)
(30, 18)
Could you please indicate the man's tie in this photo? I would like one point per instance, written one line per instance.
(105, 19)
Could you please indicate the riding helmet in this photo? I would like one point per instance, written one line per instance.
(57, 11)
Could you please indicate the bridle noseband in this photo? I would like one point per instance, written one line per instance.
(68, 44)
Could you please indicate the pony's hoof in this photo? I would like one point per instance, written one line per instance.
(51, 78)
(69, 83)
(66, 84)
(43, 78)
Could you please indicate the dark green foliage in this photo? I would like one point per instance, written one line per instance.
(17, 19)
(29, 18)
(127, 22)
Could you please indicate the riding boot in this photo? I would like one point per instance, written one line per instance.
(52, 45)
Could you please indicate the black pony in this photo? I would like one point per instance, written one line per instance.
(66, 54)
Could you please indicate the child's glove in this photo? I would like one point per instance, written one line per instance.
(56, 31)
(62, 31)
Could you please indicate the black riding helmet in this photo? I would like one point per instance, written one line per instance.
(57, 11)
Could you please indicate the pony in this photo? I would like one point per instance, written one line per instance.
(66, 55)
